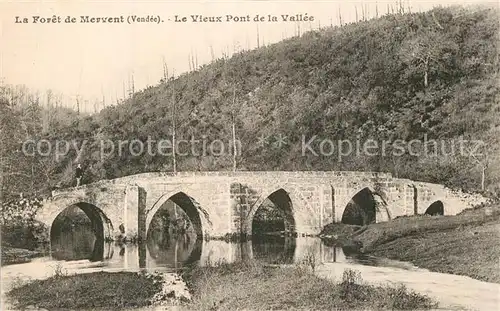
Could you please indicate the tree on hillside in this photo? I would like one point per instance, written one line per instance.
(165, 71)
(233, 127)
(483, 153)
(173, 121)
(428, 52)
(228, 102)
(12, 175)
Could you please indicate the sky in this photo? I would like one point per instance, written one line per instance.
(96, 60)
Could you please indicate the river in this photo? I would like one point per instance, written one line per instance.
(79, 252)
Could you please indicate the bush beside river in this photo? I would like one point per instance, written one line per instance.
(253, 286)
(87, 291)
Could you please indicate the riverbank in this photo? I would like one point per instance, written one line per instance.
(243, 286)
(99, 290)
(465, 244)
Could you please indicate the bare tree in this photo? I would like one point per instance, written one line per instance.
(77, 99)
(124, 91)
(484, 155)
(165, 70)
(103, 98)
(174, 160)
(233, 128)
(427, 51)
(131, 86)
(192, 64)
(212, 54)
(258, 39)
(46, 120)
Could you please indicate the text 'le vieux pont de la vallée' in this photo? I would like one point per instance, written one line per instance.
(130, 19)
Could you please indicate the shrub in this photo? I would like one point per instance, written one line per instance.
(402, 298)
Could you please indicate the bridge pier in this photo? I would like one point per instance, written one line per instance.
(134, 214)
(141, 217)
(130, 212)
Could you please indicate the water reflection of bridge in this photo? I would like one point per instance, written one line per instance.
(179, 253)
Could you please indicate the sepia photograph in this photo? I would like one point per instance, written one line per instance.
(250, 155)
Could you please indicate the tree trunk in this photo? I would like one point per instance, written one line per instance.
(426, 73)
(234, 131)
(174, 163)
(234, 147)
(1, 182)
(32, 177)
(483, 177)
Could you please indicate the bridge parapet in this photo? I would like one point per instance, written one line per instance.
(277, 174)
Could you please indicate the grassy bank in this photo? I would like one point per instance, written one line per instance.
(87, 291)
(466, 244)
(238, 286)
(12, 255)
(252, 286)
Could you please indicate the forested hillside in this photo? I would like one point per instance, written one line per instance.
(431, 75)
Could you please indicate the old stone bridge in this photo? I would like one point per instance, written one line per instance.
(220, 203)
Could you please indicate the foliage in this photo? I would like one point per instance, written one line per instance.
(18, 225)
(350, 287)
(268, 218)
(403, 76)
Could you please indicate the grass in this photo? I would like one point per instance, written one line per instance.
(238, 286)
(248, 285)
(381, 233)
(253, 286)
(87, 291)
(465, 244)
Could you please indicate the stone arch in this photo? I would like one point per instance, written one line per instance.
(100, 224)
(197, 216)
(281, 198)
(52, 209)
(436, 208)
(365, 206)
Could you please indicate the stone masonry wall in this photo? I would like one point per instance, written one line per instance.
(227, 201)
